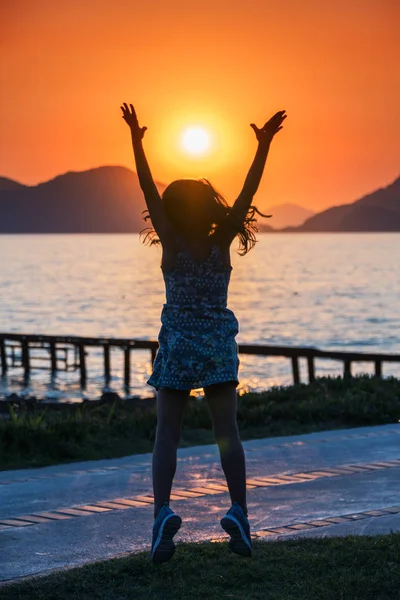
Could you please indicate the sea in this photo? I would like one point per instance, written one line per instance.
(331, 291)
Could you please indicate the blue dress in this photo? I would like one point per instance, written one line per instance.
(197, 344)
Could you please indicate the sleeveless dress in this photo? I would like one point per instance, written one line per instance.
(197, 344)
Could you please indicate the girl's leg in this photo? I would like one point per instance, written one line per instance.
(222, 399)
(171, 406)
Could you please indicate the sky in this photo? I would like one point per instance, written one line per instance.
(67, 66)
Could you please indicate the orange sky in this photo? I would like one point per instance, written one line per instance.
(66, 66)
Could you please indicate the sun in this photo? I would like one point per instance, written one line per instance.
(196, 140)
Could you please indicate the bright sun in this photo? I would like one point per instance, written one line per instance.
(196, 140)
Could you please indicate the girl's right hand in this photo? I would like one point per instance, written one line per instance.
(131, 119)
(271, 127)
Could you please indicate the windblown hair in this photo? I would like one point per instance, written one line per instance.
(195, 207)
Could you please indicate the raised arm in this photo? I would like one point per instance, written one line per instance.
(250, 187)
(150, 191)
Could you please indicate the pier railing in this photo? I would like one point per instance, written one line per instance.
(68, 353)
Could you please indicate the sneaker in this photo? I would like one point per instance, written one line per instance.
(236, 524)
(165, 527)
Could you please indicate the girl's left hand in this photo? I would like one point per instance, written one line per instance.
(132, 120)
(271, 127)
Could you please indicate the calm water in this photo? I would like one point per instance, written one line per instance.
(332, 291)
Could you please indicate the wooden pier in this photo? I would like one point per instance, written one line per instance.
(68, 353)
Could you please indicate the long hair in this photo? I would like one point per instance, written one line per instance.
(194, 205)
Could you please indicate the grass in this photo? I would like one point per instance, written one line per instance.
(349, 568)
(44, 437)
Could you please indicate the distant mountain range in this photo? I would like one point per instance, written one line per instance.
(285, 215)
(378, 211)
(101, 200)
(109, 200)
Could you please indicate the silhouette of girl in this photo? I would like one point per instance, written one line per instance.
(197, 347)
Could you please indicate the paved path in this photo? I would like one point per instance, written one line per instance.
(317, 484)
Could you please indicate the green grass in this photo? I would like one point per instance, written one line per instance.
(349, 568)
(44, 437)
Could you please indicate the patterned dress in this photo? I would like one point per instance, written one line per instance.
(197, 344)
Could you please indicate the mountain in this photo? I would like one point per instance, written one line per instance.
(102, 200)
(109, 200)
(262, 227)
(9, 185)
(285, 215)
(378, 211)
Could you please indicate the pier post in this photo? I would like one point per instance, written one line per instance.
(378, 368)
(82, 364)
(127, 367)
(3, 357)
(347, 368)
(311, 371)
(25, 357)
(107, 370)
(295, 369)
(53, 358)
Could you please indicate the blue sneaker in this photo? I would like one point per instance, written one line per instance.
(235, 523)
(165, 527)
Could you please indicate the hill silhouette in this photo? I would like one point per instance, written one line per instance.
(9, 185)
(102, 200)
(378, 211)
(285, 215)
(108, 199)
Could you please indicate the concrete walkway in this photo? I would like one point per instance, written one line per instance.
(327, 483)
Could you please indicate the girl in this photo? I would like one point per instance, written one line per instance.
(197, 347)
